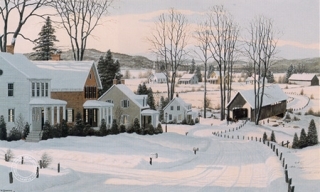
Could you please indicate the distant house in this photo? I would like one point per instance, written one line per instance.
(178, 110)
(213, 78)
(250, 80)
(242, 105)
(304, 79)
(128, 106)
(188, 79)
(77, 83)
(157, 78)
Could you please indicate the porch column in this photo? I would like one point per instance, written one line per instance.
(64, 112)
(45, 114)
(52, 115)
(30, 117)
(58, 114)
(111, 114)
(107, 116)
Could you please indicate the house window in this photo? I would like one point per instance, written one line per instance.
(109, 101)
(11, 115)
(178, 108)
(47, 89)
(180, 117)
(42, 89)
(69, 115)
(90, 92)
(87, 115)
(124, 119)
(33, 89)
(10, 89)
(171, 108)
(125, 103)
(89, 75)
(38, 89)
(170, 117)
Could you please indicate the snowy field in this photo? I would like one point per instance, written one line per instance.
(222, 163)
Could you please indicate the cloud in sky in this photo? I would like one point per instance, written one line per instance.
(130, 22)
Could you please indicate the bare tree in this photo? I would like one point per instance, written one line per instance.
(118, 114)
(79, 18)
(169, 41)
(25, 9)
(202, 35)
(260, 49)
(224, 34)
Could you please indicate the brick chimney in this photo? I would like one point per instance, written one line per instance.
(56, 57)
(10, 49)
(115, 81)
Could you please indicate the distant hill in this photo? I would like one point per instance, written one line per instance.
(139, 62)
(126, 61)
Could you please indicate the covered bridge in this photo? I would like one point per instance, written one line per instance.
(242, 105)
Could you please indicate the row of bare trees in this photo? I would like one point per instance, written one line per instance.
(217, 40)
(78, 17)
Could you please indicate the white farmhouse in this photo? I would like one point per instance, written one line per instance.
(178, 110)
(304, 79)
(188, 79)
(157, 78)
(26, 94)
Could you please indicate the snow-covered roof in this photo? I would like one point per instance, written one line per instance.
(181, 102)
(149, 112)
(139, 100)
(302, 77)
(186, 77)
(159, 75)
(272, 94)
(46, 101)
(95, 103)
(23, 65)
(68, 75)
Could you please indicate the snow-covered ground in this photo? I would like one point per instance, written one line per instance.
(222, 163)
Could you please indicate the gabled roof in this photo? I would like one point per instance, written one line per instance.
(187, 77)
(180, 101)
(137, 99)
(302, 77)
(23, 65)
(68, 75)
(159, 75)
(272, 94)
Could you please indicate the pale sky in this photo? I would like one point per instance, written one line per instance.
(130, 22)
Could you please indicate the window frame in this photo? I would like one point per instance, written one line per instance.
(11, 115)
(10, 90)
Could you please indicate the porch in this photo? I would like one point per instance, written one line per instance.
(149, 116)
(94, 111)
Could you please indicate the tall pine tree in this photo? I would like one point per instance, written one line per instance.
(192, 67)
(150, 100)
(295, 143)
(45, 43)
(303, 139)
(108, 70)
(312, 138)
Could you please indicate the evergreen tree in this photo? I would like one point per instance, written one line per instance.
(45, 43)
(144, 89)
(26, 130)
(136, 125)
(159, 128)
(47, 131)
(79, 126)
(114, 127)
(3, 129)
(312, 138)
(64, 128)
(192, 67)
(265, 137)
(198, 73)
(108, 70)
(303, 139)
(273, 137)
(103, 128)
(150, 100)
(295, 143)
(290, 71)
(139, 90)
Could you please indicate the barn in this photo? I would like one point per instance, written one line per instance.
(242, 105)
(306, 79)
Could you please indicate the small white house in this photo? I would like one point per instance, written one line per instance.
(250, 80)
(178, 110)
(157, 78)
(304, 79)
(188, 79)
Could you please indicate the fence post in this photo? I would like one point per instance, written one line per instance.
(280, 156)
(251, 138)
(37, 172)
(286, 174)
(274, 147)
(277, 152)
(268, 143)
(58, 167)
(22, 160)
(243, 137)
(40, 164)
(285, 167)
(283, 162)
(260, 140)
(292, 188)
(10, 178)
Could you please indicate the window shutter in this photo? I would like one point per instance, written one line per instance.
(66, 117)
(72, 115)
(128, 103)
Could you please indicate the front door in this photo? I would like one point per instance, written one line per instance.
(90, 117)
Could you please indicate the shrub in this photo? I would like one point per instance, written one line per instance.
(265, 137)
(103, 128)
(150, 129)
(26, 130)
(122, 128)
(301, 92)
(158, 129)
(136, 125)
(311, 97)
(114, 127)
(3, 129)
(311, 112)
(130, 129)
(14, 135)
(273, 137)
(46, 160)
(290, 110)
(47, 131)
(79, 126)
(288, 116)
(196, 120)
(184, 122)
(88, 130)
(191, 122)
(9, 155)
(296, 118)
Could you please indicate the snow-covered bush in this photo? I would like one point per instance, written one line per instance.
(46, 160)
(14, 135)
(26, 130)
(3, 129)
(9, 155)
